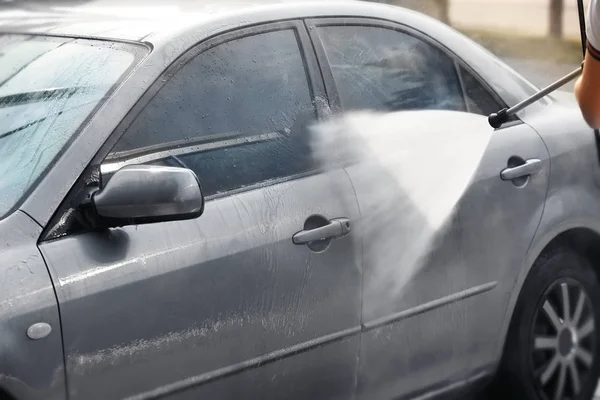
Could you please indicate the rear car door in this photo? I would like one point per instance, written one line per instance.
(500, 214)
(411, 340)
(423, 338)
(246, 301)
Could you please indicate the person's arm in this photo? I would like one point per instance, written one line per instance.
(587, 87)
(587, 90)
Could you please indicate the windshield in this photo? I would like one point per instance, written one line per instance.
(48, 88)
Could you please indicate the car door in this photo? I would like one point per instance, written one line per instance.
(500, 214)
(419, 338)
(250, 300)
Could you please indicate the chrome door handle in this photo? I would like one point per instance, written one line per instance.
(334, 229)
(531, 167)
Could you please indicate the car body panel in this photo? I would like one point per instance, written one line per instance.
(499, 219)
(57, 23)
(287, 378)
(31, 369)
(154, 307)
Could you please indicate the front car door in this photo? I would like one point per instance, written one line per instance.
(423, 336)
(227, 305)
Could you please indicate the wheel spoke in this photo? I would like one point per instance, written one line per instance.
(551, 313)
(566, 303)
(560, 385)
(549, 371)
(545, 342)
(579, 308)
(574, 376)
(584, 356)
(586, 329)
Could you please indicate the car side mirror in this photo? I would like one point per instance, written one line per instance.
(142, 194)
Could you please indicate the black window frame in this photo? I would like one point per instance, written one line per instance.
(330, 85)
(461, 71)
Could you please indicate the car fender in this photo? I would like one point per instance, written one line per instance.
(31, 354)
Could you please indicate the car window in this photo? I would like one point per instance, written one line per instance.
(382, 69)
(236, 115)
(49, 87)
(479, 99)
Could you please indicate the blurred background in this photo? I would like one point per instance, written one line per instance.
(539, 38)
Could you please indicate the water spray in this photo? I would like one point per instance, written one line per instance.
(497, 119)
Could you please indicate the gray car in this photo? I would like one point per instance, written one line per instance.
(166, 232)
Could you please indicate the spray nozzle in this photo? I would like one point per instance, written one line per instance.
(497, 119)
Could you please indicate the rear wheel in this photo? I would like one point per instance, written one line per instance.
(552, 350)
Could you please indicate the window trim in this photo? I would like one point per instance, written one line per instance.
(330, 86)
(463, 88)
(171, 149)
(458, 67)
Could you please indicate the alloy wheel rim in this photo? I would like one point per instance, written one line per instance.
(563, 340)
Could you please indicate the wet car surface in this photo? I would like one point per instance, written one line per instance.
(167, 231)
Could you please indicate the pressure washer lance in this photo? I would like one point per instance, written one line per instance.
(497, 119)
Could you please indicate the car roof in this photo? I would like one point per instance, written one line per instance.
(119, 20)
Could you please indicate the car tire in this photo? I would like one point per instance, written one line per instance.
(550, 354)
